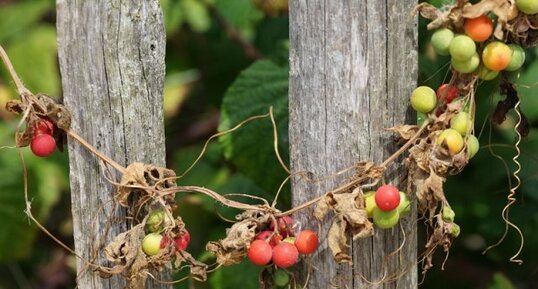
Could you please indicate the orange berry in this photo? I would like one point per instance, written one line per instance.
(496, 56)
(479, 29)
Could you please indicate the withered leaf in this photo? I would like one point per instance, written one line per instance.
(504, 106)
(144, 176)
(337, 241)
(405, 131)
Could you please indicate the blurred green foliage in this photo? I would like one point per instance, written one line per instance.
(212, 84)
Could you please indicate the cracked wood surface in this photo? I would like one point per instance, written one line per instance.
(353, 65)
(111, 55)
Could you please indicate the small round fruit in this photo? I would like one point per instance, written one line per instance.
(43, 145)
(496, 56)
(281, 278)
(259, 253)
(447, 92)
(462, 48)
(460, 122)
(151, 244)
(472, 145)
(448, 214)
(285, 225)
(157, 220)
(441, 39)
(466, 66)
(528, 7)
(387, 198)
(306, 242)
(455, 230)
(518, 57)
(264, 235)
(369, 201)
(423, 99)
(182, 242)
(43, 126)
(285, 255)
(405, 205)
(386, 220)
(479, 29)
(452, 139)
(486, 74)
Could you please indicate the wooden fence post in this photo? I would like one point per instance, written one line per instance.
(112, 64)
(353, 65)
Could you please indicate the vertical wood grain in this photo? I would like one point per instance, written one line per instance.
(353, 65)
(111, 56)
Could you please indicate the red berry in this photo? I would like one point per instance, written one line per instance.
(264, 235)
(43, 145)
(446, 92)
(306, 242)
(387, 198)
(285, 255)
(259, 252)
(285, 225)
(183, 241)
(43, 126)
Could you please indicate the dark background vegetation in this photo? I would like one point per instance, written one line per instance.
(214, 79)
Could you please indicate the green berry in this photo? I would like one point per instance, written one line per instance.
(448, 214)
(460, 122)
(405, 205)
(441, 40)
(385, 220)
(466, 66)
(472, 145)
(151, 244)
(157, 220)
(462, 48)
(486, 74)
(518, 57)
(528, 7)
(281, 278)
(369, 200)
(423, 99)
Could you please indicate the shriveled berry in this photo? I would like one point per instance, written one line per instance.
(183, 241)
(43, 145)
(259, 253)
(265, 235)
(285, 225)
(447, 92)
(157, 220)
(43, 126)
(306, 242)
(285, 255)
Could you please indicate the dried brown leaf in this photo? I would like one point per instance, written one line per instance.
(337, 241)
(233, 247)
(405, 131)
(146, 180)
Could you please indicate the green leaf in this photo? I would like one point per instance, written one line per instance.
(243, 275)
(500, 281)
(196, 15)
(250, 148)
(16, 18)
(241, 14)
(35, 59)
(46, 180)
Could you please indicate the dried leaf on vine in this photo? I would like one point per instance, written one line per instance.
(350, 217)
(197, 268)
(429, 191)
(504, 106)
(233, 248)
(448, 16)
(405, 131)
(145, 180)
(442, 236)
(505, 10)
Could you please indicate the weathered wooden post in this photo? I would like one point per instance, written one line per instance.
(112, 64)
(353, 65)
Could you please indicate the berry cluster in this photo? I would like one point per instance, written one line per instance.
(43, 143)
(280, 245)
(424, 100)
(464, 49)
(154, 241)
(386, 206)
